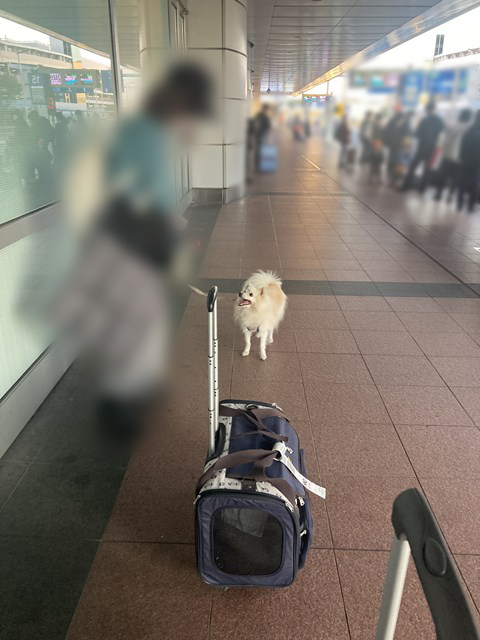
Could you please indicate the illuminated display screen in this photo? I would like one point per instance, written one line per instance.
(55, 78)
(70, 78)
(86, 78)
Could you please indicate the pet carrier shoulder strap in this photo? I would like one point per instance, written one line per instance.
(263, 456)
(308, 484)
(250, 415)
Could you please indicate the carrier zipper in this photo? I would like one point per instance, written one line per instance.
(258, 494)
(285, 503)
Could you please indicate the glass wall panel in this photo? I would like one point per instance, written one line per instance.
(56, 87)
(28, 270)
(50, 91)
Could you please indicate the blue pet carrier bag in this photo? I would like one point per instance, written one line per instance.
(253, 519)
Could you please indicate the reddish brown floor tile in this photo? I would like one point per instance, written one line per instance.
(303, 274)
(312, 607)
(447, 344)
(216, 271)
(297, 263)
(469, 567)
(381, 275)
(339, 275)
(386, 343)
(423, 405)
(373, 321)
(143, 591)
(414, 304)
(312, 302)
(318, 319)
(154, 503)
(469, 398)
(325, 341)
(363, 303)
(328, 368)
(360, 450)
(345, 404)
(456, 505)
(470, 322)
(362, 576)
(443, 452)
(458, 372)
(360, 510)
(403, 370)
(460, 305)
(418, 321)
(278, 367)
(190, 391)
(349, 265)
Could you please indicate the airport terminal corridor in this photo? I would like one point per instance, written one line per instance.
(152, 150)
(378, 365)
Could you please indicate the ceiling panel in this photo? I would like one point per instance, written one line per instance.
(303, 40)
(310, 12)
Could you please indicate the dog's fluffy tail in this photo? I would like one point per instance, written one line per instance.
(261, 279)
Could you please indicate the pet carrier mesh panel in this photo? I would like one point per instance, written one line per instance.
(247, 542)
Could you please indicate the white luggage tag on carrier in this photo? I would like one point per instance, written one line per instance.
(282, 449)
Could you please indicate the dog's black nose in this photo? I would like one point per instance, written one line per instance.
(240, 294)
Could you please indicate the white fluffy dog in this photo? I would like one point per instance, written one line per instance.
(260, 309)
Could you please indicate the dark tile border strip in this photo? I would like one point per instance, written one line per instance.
(347, 288)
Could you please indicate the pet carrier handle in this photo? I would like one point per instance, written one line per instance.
(212, 369)
(417, 531)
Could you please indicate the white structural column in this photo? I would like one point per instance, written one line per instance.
(217, 38)
(154, 38)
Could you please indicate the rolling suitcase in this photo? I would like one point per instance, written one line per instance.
(268, 157)
(416, 532)
(253, 523)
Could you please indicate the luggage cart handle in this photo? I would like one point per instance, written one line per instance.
(213, 394)
(417, 531)
(212, 299)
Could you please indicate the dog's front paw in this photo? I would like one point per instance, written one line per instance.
(245, 352)
(270, 341)
(263, 356)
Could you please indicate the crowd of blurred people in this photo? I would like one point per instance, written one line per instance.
(37, 145)
(445, 157)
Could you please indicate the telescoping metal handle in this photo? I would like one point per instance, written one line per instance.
(212, 369)
(417, 531)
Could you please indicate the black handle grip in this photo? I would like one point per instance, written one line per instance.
(413, 518)
(211, 298)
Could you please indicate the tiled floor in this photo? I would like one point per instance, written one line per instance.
(377, 364)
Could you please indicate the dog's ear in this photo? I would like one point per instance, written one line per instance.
(261, 291)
